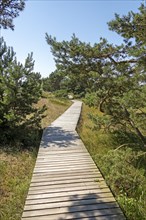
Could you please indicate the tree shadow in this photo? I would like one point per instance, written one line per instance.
(93, 206)
(58, 137)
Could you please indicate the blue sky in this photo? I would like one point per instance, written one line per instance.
(86, 18)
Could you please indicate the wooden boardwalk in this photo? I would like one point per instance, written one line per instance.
(66, 184)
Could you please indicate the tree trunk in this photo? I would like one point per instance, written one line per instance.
(100, 105)
(138, 132)
(103, 100)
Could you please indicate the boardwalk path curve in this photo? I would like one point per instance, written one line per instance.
(66, 184)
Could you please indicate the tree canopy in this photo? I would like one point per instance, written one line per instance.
(9, 9)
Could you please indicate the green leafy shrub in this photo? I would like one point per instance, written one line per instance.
(91, 99)
(134, 208)
(61, 93)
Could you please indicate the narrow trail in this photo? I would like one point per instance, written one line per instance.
(66, 184)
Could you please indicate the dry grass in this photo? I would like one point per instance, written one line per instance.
(15, 175)
(100, 142)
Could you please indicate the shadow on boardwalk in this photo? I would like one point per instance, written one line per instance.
(58, 137)
(92, 207)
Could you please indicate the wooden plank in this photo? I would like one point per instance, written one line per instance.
(62, 169)
(99, 209)
(53, 165)
(86, 191)
(66, 173)
(50, 162)
(59, 156)
(65, 164)
(74, 204)
(71, 185)
(101, 197)
(65, 177)
(57, 160)
(78, 169)
(60, 182)
(87, 215)
(65, 189)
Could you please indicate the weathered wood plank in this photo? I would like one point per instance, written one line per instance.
(65, 189)
(83, 176)
(59, 171)
(67, 186)
(90, 204)
(88, 215)
(73, 164)
(98, 209)
(60, 162)
(102, 197)
(63, 182)
(76, 193)
(66, 173)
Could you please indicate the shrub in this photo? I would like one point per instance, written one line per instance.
(127, 180)
(61, 93)
(91, 99)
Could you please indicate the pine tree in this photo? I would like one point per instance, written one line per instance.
(9, 9)
(115, 73)
(20, 89)
(132, 28)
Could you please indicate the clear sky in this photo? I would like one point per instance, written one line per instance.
(86, 18)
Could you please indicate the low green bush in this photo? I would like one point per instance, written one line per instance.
(91, 99)
(61, 93)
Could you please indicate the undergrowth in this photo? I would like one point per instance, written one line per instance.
(121, 160)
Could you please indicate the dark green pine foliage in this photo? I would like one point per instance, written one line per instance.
(132, 28)
(9, 9)
(20, 89)
(132, 102)
(80, 61)
(53, 82)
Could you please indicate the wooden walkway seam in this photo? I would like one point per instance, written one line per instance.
(66, 184)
